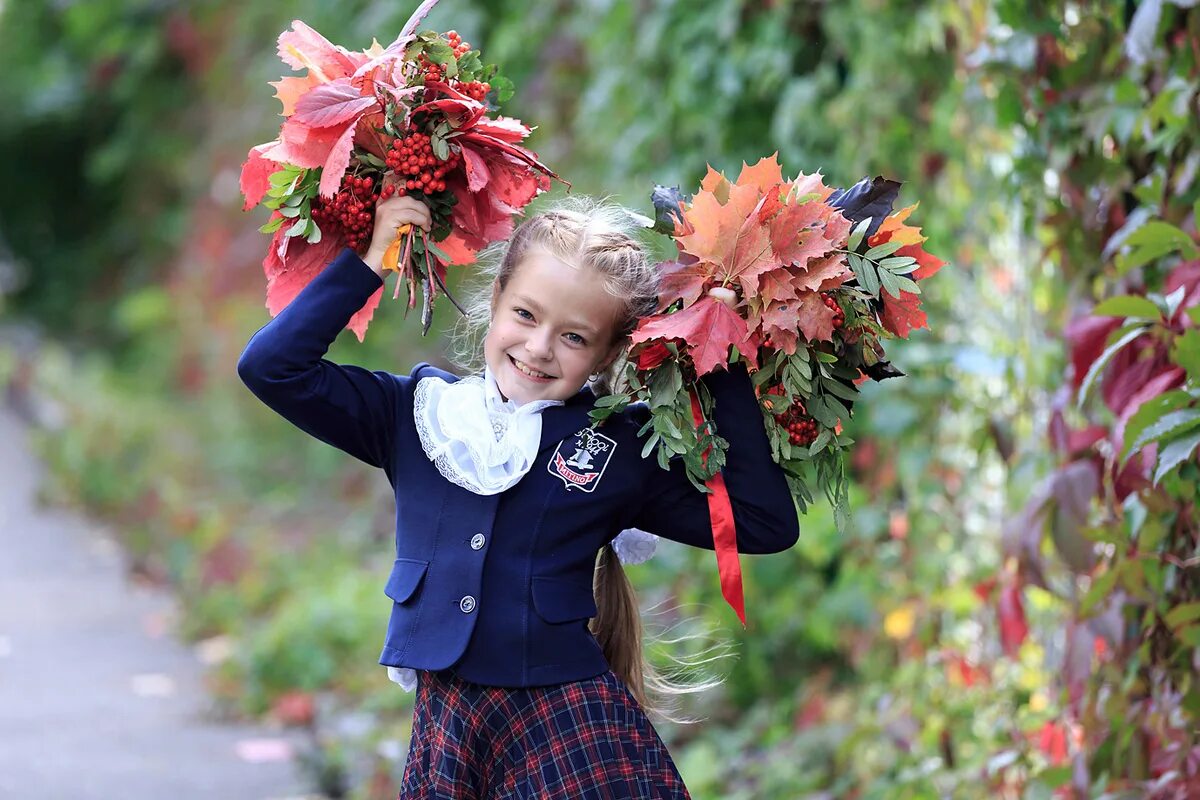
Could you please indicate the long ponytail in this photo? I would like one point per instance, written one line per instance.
(617, 626)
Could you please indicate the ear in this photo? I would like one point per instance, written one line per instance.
(613, 353)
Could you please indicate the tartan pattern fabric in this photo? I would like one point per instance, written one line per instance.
(585, 740)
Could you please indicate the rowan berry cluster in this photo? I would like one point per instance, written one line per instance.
(461, 48)
(801, 429)
(476, 90)
(413, 161)
(437, 72)
(352, 209)
(839, 316)
(433, 72)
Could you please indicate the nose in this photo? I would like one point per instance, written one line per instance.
(537, 345)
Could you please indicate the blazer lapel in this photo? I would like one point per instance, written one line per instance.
(559, 422)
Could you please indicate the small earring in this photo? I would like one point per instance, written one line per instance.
(595, 376)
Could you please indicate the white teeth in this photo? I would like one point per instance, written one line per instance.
(533, 373)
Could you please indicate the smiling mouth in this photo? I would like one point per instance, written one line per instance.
(529, 371)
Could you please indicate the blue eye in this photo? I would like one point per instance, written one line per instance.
(576, 338)
(523, 314)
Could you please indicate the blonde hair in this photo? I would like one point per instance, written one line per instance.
(602, 236)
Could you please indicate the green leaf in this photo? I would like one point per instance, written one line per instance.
(440, 148)
(880, 250)
(890, 283)
(1175, 453)
(503, 88)
(314, 233)
(1154, 240)
(610, 400)
(439, 52)
(1169, 425)
(272, 226)
(298, 229)
(1186, 352)
(1182, 614)
(1101, 587)
(900, 265)
(664, 384)
(289, 213)
(371, 160)
(760, 377)
(908, 284)
(1100, 363)
(650, 443)
(856, 236)
(840, 389)
(671, 429)
(1148, 413)
(828, 358)
(1127, 306)
(1156, 232)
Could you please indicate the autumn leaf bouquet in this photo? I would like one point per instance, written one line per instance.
(415, 118)
(819, 280)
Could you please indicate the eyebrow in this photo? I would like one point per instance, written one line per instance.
(576, 324)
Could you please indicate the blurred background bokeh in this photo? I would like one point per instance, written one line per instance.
(1016, 610)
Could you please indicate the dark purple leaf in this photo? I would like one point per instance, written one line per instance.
(667, 202)
(870, 197)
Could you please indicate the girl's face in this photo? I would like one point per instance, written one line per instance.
(553, 325)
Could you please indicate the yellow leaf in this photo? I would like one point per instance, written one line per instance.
(391, 256)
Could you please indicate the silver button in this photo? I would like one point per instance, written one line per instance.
(477, 541)
(467, 604)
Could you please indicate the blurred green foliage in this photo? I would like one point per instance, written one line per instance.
(877, 665)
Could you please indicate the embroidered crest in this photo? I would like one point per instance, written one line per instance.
(582, 459)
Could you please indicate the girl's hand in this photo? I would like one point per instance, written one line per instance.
(725, 295)
(390, 215)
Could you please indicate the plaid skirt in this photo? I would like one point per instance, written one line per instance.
(585, 740)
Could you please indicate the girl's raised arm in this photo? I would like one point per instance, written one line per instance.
(349, 407)
(764, 513)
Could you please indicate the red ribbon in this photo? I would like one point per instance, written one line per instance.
(720, 511)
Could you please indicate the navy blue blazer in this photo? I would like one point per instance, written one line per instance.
(500, 587)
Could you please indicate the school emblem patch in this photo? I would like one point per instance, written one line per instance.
(581, 460)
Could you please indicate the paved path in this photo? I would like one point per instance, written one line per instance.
(97, 700)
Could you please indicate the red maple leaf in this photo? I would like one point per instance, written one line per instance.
(814, 318)
(766, 175)
(304, 262)
(727, 242)
(904, 315)
(798, 233)
(708, 327)
(823, 274)
(777, 284)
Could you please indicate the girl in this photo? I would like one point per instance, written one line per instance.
(504, 496)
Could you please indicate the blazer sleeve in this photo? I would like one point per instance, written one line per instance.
(283, 364)
(764, 513)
